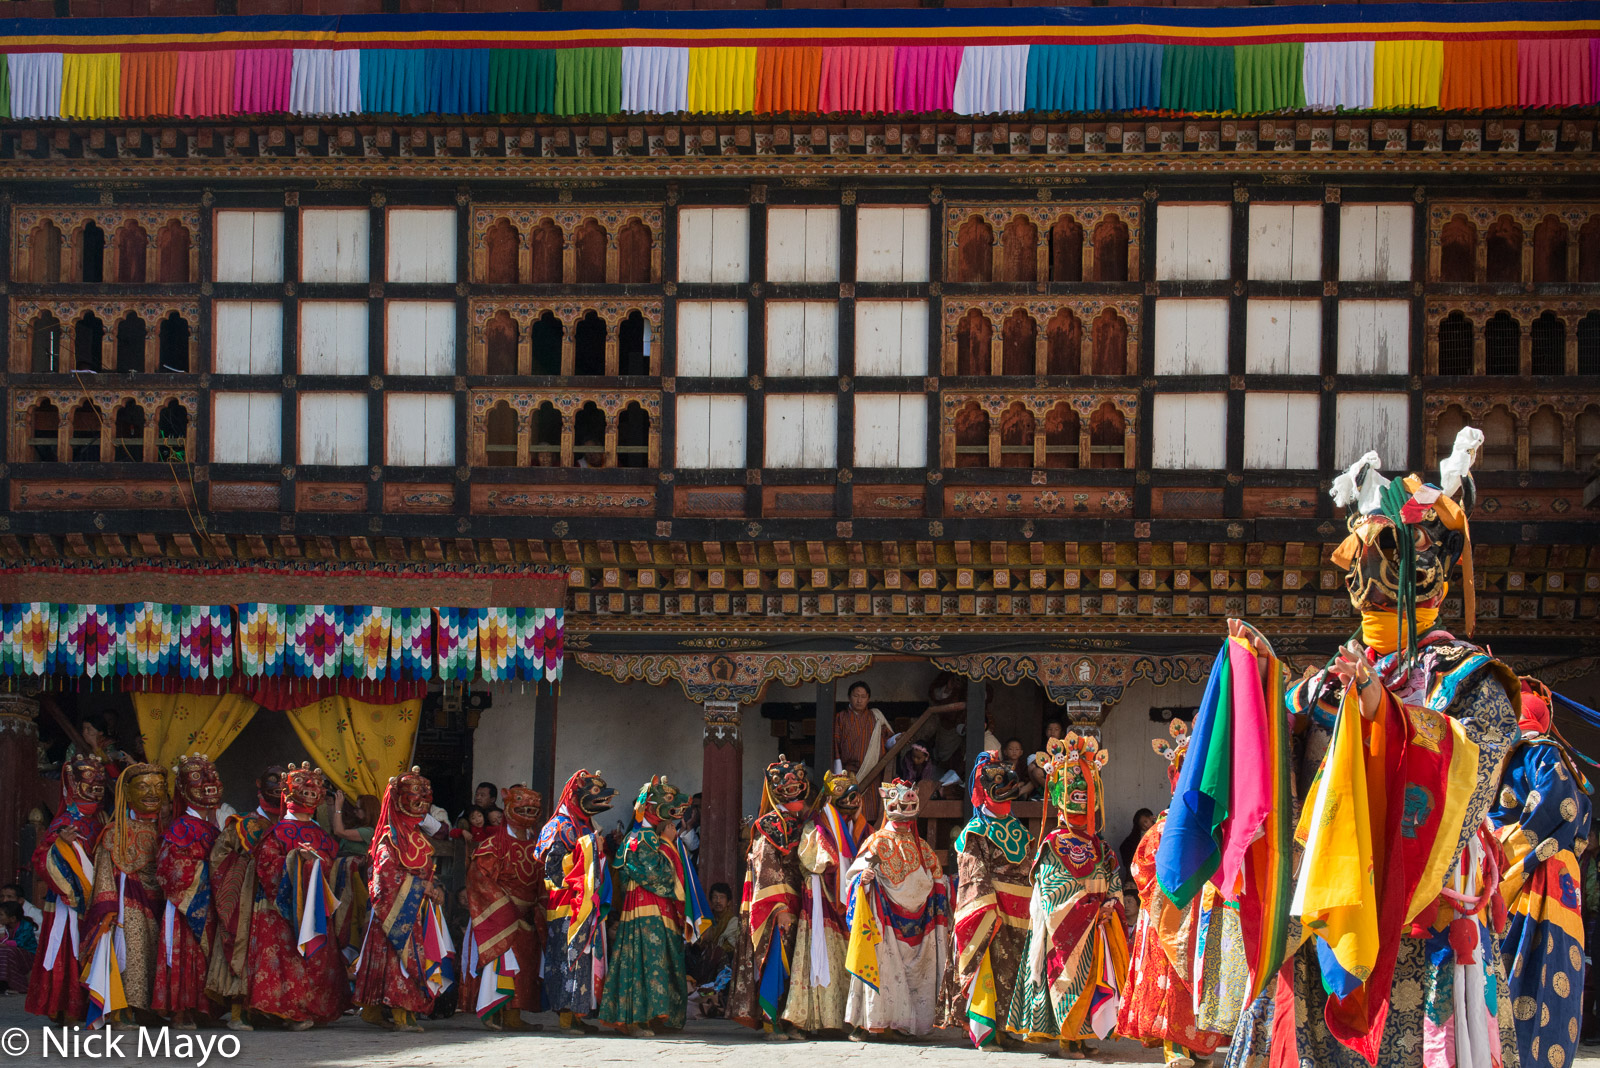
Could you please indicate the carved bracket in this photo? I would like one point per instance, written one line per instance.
(738, 677)
(1078, 677)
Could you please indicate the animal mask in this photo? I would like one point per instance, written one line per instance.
(900, 800)
(269, 790)
(1174, 751)
(592, 794)
(995, 783)
(1405, 536)
(659, 802)
(199, 785)
(843, 792)
(523, 806)
(787, 781)
(413, 794)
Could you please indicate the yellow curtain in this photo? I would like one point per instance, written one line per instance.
(177, 723)
(91, 86)
(357, 745)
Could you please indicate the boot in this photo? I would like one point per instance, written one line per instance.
(406, 1020)
(236, 1020)
(374, 1015)
(573, 1024)
(1176, 1056)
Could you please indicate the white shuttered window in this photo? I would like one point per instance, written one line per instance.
(1189, 431)
(713, 338)
(714, 244)
(891, 337)
(246, 428)
(1286, 242)
(891, 430)
(422, 245)
(1375, 242)
(421, 429)
(421, 337)
(335, 243)
(333, 428)
(1280, 431)
(891, 244)
(249, 246)
(248, 337)
(802, 337)
(333, 337)
(1192, 241)
(1191, 337)
(803, 244)
(802, 430)
(1380, 422)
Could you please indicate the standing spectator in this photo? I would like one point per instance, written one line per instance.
(485, 797)
(1143, 820)
(860, 732)
(689, 835)
(19, 941)
(13, 892)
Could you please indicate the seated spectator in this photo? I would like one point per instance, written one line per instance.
(13, 892)
(485, 797)
(496, 818)
(1036, 776)
(1012, 754)
(19, 941)
(477, 824)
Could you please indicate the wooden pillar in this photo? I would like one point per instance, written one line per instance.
(822, 750)
(977, 697)
(722, 793)
(613, 358)
(543, 774)
(19, 760)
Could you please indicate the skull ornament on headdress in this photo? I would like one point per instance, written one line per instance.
(199, 785)
(1406, 535)
(994, 783)
(659, 802)
(1174, 751)
(900, 800)
(1073, 765)
(83, 781)
(523, 806)
(304, 788)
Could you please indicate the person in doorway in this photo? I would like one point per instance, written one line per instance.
(302, 984)
(1053, 730)
(399, 970)
(647, 987)
(484, 797)
(189, 925)
(860, 732)
(13, 892)
(505, 895)
(1143, 820)
(19, 943)
(99, 741)
(233, 891)
(946, 732)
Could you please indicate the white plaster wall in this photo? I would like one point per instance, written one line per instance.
(1135, 777)
(502, 746)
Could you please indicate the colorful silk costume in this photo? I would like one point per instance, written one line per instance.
(771, 900)
(303, 983)
(189, 922)
(1158, 1003)
(1395, 888)
(899, 917)
(1076, 958)
(122, 930)
(233, 893)
(647, 982)
(577, 881)
(505, 897)
(64, 862)
(818, 985)
(992, 894)
(398, 968)
(1541, 821)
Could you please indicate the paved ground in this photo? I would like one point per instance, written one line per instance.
(462, 1043)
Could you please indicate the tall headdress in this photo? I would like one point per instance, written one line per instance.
(1174, 751)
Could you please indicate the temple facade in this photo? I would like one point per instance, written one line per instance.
(580, 422)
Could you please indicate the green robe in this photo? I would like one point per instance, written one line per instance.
(647, 981)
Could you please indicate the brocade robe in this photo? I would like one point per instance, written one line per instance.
(1158, 1003)
(505, 898)
(819, 987)
(390, 971)
(647, 981)
(128, 895)
(1075, 963)
(233, 894)
(572, 856)
(991, 921)
(761, 961)
(1541, 820)
(55, 987)
(188, 923)
(899, 933)
(283, 982)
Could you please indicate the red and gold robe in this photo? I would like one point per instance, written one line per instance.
(398, 899)
(233, 893)
(55, 988)
(505, 898)
(284, 983)
(771, 887)
(127, 893)
(1158, 1000)
(189, 923)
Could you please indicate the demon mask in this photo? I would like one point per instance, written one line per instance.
(413, 794)
(83, 780)
(592, 794)
(199, 785)
(996, 784)
(1405, 536)
(523, 806)
(269, 790)
(900, 800)
(844, 793)
(304, 788)
(1073, 764)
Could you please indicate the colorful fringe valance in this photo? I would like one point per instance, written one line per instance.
(274, 641)
(1399, 57)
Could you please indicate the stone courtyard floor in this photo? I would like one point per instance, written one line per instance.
(461, 1042)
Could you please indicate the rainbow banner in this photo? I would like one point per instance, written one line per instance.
(438, 950)
(1238, 60)
(103, 977)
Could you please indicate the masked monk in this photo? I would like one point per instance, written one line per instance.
(505, 898)
(233, 891)
(123, 931)
(771, 901)
(577, 880)
(188, 926)
(64, 862)
(818, 989)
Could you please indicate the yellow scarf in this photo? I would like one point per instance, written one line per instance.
(1380, 631)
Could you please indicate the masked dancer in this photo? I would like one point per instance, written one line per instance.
(818, 984)
(505, 898)
(64, 862)
(771, 901)
(188, 926)
(577, 880)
